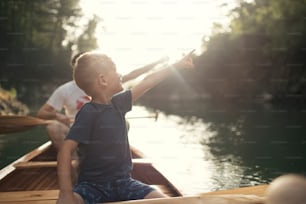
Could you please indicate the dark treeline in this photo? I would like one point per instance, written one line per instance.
(37, 38)
(261, 58)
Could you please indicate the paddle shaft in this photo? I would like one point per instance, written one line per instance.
(17, 123)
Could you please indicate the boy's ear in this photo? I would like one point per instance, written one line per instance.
(102, 80)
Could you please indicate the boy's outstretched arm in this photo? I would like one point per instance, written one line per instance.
(156, 77)
(64, 169)
(137, 72)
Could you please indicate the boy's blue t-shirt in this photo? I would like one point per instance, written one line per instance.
(101, 132)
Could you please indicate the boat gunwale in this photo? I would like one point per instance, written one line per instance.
(24, 162)
(141, 160)
(25, 158)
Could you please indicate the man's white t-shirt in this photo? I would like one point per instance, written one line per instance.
(70, 97)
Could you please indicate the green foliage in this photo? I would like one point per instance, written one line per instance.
(263, 53)
(10, 105)
(89, 33)
(35, 45)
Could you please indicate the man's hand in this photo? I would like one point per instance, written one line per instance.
(47, 112)
(63, 119)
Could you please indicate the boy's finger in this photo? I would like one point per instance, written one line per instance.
(189, 54)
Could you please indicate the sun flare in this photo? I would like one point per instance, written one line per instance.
(134, 33)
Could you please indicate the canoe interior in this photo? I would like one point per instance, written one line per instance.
(33, 180)
(37, 178)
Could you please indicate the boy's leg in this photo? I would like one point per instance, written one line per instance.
(95, 193)
(155, 194)
(131, 189)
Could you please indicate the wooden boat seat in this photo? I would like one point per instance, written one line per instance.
(46, 196)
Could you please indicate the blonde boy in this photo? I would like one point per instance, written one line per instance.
(99, 133)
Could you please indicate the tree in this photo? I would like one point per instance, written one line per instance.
(35, 49)
(263, 53)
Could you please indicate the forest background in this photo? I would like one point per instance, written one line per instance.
(261, 57)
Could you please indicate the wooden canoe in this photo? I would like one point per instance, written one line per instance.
(33, 179)
(34, 176)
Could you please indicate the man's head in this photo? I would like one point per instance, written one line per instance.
(290, 188)
(74, 59)
(95, 72)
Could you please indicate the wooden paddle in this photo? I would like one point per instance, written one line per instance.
(155, 116)
(16, 123)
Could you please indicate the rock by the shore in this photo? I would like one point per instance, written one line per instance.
(9, 105)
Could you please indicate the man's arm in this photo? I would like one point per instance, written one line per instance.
(137, 72)
(156, 77)
(47, 112)
(64, 169)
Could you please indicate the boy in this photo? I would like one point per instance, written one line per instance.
(71, 98)
(100, 134)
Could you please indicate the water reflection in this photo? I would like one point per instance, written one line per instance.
(208, 148)
(204, 148)
(176, 145)
(15, 145)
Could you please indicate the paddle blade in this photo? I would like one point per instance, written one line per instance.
(16, 123)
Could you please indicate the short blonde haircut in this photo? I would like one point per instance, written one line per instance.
(87, 68)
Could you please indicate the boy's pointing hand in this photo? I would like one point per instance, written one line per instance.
(186, 62)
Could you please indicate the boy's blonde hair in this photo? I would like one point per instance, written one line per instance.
(87, 67)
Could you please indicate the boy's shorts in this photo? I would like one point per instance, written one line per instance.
(118, 190)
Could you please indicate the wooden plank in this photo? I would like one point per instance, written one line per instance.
(183, 200)
(30, 180)
(202, 199)
(50, 196)
(19, 196)
(251, 190)
(28, 195)
(177, 200)
(31, 202)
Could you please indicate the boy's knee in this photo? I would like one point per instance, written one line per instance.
(57, 128)
(57, 132)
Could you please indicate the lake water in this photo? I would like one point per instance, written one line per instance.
(206, 147)
(203, 148)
